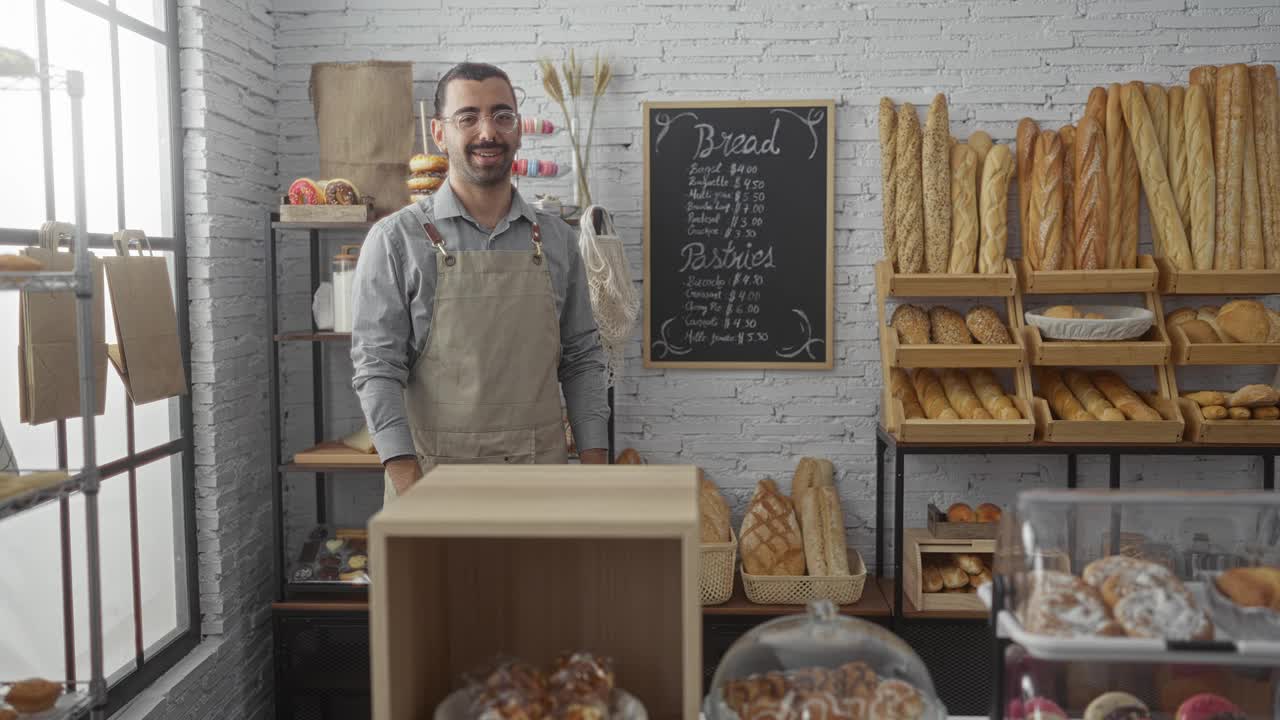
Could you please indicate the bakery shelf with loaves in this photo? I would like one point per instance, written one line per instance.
(961, 406)
(1076, 405)
(1248, 415)
(1239, 332)
(1140, 279)
(940, 336)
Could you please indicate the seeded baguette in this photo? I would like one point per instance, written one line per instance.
(888, 181)
(908, 204)
(935, 168)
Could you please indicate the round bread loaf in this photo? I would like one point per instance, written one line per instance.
(947, 327)
(986, 326)
(912, 324)
(1245, 321)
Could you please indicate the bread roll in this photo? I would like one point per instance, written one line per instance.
(970, 563)
(713, 511)
(986, 326)
(1091, 196)
(997, 171)
(1027, 132)
(1239, 413)
(1096, 106)
(1201, 183)
(947, 327)
(1206, 76)
(988, 389)
(1066, 312)
(1266, 134)
(770, 535)
(629, 456)
(1245, 321)
(961, 396)
(1270, 412)
(1068, 135)
(1120, 395)
(1252, 245)
(964, 211)
(953, 577)
(1158, 107)
(1176, 159)
(932, 579)
(811, 474)
(888, 180)
(1063, 403)
(932, 396)
(1044, 215)
(1179, 316)
(908, 200)
(1206, 398)
(935, 167)
(961, 512)
(912, 325)
(1228, 161)
(1165, 222)
(1214, 412)
(901, 388)
(1117, 142)
(989, 513)
(1090, 396)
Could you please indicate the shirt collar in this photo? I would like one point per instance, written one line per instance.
(447, 205)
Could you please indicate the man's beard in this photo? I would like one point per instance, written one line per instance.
(477, 174)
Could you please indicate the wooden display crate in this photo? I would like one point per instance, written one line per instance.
(1216, 282)
(1129, 432)
(939, 285)
(1185, 352)
(1152, 349)
(953, 356)
(326, 213)
(920, 543)
(1227, 432)
(531, 561)
(983, 432)
(940, 527)
(1142, 279)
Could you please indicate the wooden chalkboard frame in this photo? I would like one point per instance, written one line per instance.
(829, 359)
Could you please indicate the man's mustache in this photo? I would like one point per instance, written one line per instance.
(486, 146)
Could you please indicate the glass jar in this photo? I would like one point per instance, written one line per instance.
(344, 273)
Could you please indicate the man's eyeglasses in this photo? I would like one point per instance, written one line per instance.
(504, 120)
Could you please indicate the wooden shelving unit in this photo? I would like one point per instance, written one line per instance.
(1216, 282)
(1142, 279)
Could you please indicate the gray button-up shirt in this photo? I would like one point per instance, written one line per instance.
(394, 295)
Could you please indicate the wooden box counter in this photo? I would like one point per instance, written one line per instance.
(531, 561)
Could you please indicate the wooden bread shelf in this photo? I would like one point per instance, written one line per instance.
(1227, 432)
(911, 611)
(1129, 432)
(1152, 349)
(940, 527)
(939, 285)
(1185, 352)
(335, 454)
(918, 542)
(953, 356)
(326, 214)
(1142, 279)
(959, 431)
(1216, 282)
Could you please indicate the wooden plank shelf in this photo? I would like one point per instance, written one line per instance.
(314, 336)
(1128, 432)
(1185, 352)
(952, 356)
(938, 285)
(1142, 279)
(959, 431)
(1227, 432)
(1216, 282)
(1153, 349)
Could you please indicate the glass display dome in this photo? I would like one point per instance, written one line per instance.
(821, 666)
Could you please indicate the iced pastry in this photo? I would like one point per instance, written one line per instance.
(1117, 706)
(1207, 706)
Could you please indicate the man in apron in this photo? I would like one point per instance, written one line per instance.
(471, 312)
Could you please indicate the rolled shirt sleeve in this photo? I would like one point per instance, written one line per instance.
(582, 364)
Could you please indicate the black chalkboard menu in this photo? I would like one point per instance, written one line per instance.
(739, 221)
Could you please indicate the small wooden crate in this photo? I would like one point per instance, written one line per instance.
(802, 589)
(938, 285)
(940, 527)
(1227, 432)
(326, 213)
(980, 432)
(1216, 282)
(919, 542)
(716, 564)
(1185, 352)
(1129, 432)
(530, 561)
(1142, 279)
(1152, 349)
(953, 356)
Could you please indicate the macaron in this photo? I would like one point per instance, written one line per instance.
(1207, 706)
(1117, 706)
(1043, 709)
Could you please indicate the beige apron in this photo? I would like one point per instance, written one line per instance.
(486, 389)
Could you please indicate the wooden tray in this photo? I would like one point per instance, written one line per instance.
(1142, 279)
(940, 527)
(918, 543)
(1153, 349)
(1216, 282)
(938, 285)
(326, 213)
(1129, 432)
(953, 356)
(1185, 352)
(983, 432)
(335, 453)
(1227, 432)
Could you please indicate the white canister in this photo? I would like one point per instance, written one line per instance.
(344, 273)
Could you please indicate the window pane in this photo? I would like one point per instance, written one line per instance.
(111, 431)
(118, 646)
(22, 187)
(79, 41)
(144, 102)
(31, 612)
(163, 557)
(148, 11)
(34, 447)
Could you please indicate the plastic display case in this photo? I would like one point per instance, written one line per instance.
(821, 664)
(1137, 592)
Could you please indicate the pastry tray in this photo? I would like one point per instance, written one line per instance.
(1224, 650)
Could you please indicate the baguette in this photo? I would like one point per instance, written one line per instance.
(997, 171)
(964, 210)
(1165, 223)
(1158, 107)
(1265, 413)
(1266, 133)
(908, 203)
(1068, 135)
(1090, 396)
(932, 396)
(1253, 396)
(1096, 107)
(1120, 395)
(1176, 159)
(1044, 214)
(1206, 398)
(1206, 76)
(1027, 132)
(1064, 404)
(822, 527)
(810, 474)
(988, 389)
(901, 388)
(962, 397)
(1117, 139)
(888, 152)
(1201, 185)
(1239, 413)
(1090, 196)
(1252, 247)
(815, 556)
(935, 168)
(1228, 165)
(1214, 412)
(981, 144)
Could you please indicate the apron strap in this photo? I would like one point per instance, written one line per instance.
(537, 244)
(438, 242)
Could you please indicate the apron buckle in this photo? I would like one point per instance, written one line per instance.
(434, 236)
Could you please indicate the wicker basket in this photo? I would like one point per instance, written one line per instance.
(800, 589)
(715, 573)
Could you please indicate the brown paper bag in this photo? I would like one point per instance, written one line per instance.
(49, 365)
(364, 119)
(148, 356)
